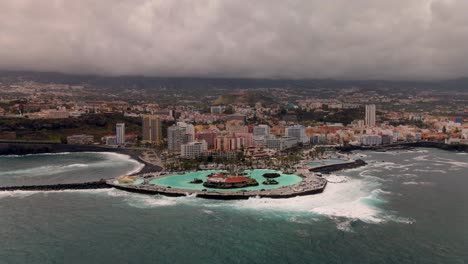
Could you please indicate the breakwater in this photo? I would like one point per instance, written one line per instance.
(407, 145)
(308, 187)
(337, 167)
(59, 187)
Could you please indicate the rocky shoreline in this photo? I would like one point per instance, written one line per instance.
(407, 145)
(310, 185)
(220, 195)
(337, 167)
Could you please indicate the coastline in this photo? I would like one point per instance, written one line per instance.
(28, 148)
(407, 145)
(313, 187)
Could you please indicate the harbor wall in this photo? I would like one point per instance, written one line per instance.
(59, 187)
(337, 167)
(218, 196)
(407, 145)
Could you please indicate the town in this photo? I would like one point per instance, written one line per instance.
(225, 124)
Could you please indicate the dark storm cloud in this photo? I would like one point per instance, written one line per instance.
(261, 38)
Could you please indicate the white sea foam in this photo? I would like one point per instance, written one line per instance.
(47, 154)
(17, 194)
(417, 183)
(147, 201)
(344, 225)
(22, 194)
(380, 191)
(431, 171)
(421, 158)
(140, 200)
(110, 159)
(402, 220)
(404, 175)
(336, 178)
(366, 174)
(138, 165)
(78, 165)
(338, 200)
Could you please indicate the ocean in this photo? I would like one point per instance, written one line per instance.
(403, 207)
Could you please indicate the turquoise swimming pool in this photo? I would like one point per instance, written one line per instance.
(181, 181)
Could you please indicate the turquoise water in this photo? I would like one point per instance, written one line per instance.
(182, 180)
(403, 207)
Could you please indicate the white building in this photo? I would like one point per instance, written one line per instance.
(370, 115)
(261, 132)
(298, 132)
(189, 131)
(371, 140)
(281, 143)
(218, 109)
(110, 140)
(319, 139)
(175, 138)
(360, 123)
(152, 132)
(193, 149)
(120, 133)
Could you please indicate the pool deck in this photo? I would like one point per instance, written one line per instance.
(310, 184)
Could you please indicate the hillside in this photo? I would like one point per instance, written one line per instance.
(243, 98)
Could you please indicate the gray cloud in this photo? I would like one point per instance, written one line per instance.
(263, 38)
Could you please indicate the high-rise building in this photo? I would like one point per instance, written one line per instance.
(370, 115)
(230, 143)
(261, 131)
(189, 131)
(236, 127)
(208, 136)
(120, 133)
(297, 132)
(152, 132)
(175, 138)
(193, 149)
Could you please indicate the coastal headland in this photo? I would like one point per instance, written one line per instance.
(311, 184)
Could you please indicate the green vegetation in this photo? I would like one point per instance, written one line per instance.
(344, 116)
(57, 130)
(245, 98)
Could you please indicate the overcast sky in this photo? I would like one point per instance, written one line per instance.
(359, 39)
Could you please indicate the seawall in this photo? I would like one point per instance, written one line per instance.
(337, 167)
(214, 195)
(59, 187)
(407, 145)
